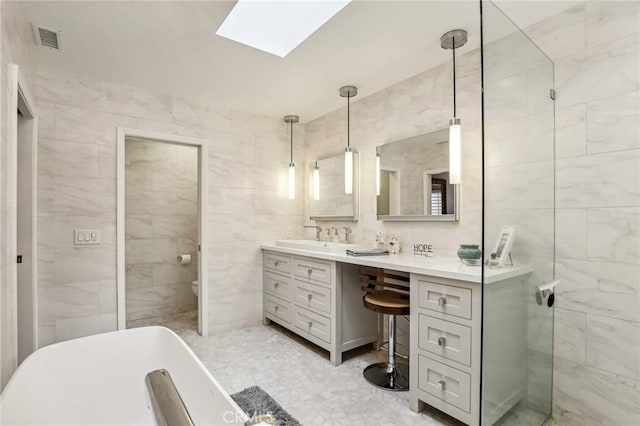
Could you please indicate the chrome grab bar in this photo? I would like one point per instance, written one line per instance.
(166, 404)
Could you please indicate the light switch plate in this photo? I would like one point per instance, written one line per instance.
(85, 237)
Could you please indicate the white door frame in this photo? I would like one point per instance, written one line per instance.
(426, 185)
(203, 170)
(23, 138)
(395, 187)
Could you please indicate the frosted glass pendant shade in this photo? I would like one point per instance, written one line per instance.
(455, 151)
(292, 181)
(348, 171)
(316, 183)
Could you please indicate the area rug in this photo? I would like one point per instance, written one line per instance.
(254, 401)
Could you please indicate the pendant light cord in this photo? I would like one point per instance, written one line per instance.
(454, 76)
(348, 120)
(291, 142)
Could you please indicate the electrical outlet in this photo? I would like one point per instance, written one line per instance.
(289, 232)
(85, 237)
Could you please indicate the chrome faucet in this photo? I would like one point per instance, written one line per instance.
(318, 230)
(347, 231)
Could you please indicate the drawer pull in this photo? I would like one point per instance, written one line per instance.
(276, 263)
(443, 385)
(310, 296)
(276, 308)
(276, 284)
(442, 301)
(442, 341)
(309, 271)
(310, 324)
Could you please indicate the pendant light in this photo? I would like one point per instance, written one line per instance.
(291, 119)
(452, 40)
(348, 92)
(316, 182)
(377, 174)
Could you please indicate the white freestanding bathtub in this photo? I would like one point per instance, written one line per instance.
(100, 380)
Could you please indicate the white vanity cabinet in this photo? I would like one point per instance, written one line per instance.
(445, 341)
(307, 296)
(319, 298)
(446, 344)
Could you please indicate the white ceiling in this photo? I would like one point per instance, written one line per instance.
(171, 47)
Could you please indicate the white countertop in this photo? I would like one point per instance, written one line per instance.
(437, 266)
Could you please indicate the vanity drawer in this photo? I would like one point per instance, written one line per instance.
(312, 323)
(277, 285)
(446, 299)
(312, 270)
(312, 296)
(445, 338)
(277, 262)
(445, 383)
(277, 307)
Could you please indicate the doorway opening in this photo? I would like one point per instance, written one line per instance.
(161, 226)
(26, 217)
(389, 198)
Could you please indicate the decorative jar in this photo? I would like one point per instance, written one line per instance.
(470, 254)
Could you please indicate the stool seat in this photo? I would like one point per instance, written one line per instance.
(386, 304)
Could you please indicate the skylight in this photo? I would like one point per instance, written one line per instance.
(277, 27)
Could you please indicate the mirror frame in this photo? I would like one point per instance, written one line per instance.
(455, 217)
(356, 193)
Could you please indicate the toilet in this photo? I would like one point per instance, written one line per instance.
(194, 287)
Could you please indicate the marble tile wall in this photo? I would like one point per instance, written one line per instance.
(157, 284)
(248, 158)
(16, 48)
(595, 47)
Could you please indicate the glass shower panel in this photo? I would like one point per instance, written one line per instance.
(518, 184)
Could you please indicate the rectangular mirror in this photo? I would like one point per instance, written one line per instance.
(414, 180)
(327, 197)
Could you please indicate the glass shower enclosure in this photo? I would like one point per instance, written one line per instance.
(518, 209)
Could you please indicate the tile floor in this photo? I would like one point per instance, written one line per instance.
(180, 321)
(299, 376)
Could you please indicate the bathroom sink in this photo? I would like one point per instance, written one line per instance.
(323, 246)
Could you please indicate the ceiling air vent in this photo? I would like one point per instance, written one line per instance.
(47, 37)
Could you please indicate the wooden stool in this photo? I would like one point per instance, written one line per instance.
(388, 294)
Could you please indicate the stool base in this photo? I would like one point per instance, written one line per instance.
(377, 375)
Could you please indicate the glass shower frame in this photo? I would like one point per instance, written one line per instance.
(518, 165)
